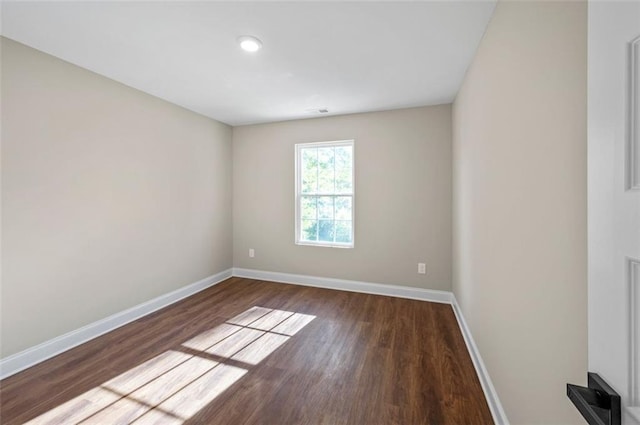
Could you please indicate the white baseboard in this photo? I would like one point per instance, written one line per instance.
(348, 285)
(34, 355)
(499, 416)
(497, 412)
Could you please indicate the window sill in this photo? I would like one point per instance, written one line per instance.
(324, 245)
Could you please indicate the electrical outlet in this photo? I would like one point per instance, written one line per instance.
(252, 253)
(422, 268)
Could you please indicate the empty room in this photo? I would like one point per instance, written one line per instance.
(320, 212)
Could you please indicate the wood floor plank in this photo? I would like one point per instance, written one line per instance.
(234, 343)
(211, 337)
(270, 320)
(253, 352)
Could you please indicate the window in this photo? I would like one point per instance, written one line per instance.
(324, 194)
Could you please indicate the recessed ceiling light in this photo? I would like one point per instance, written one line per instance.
(249, 43)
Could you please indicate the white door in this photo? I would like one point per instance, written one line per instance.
(614, 198)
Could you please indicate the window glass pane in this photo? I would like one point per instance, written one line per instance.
(325, 193)
(326, 182)
(325, 207)
(308, 207)
(325, 233)
(309, 170)
(343, 207)
(308, 232)
(344, 174)
(343, 231)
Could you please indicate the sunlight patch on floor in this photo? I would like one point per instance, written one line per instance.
(175, 385)
(201, 392)
(78, 408)
(235, 342)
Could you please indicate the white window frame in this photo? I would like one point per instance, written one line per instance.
(298, 195)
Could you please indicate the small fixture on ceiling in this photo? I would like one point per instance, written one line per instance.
(249, 43)
(317, 110)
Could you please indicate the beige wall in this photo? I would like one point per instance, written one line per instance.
(110, 197)
(402, 197)
(520, 238)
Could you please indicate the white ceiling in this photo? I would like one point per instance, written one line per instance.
(345, 56)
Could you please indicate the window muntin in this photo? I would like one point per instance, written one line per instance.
(325, 194)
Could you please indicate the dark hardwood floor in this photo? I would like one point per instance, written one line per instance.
(253, 352)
